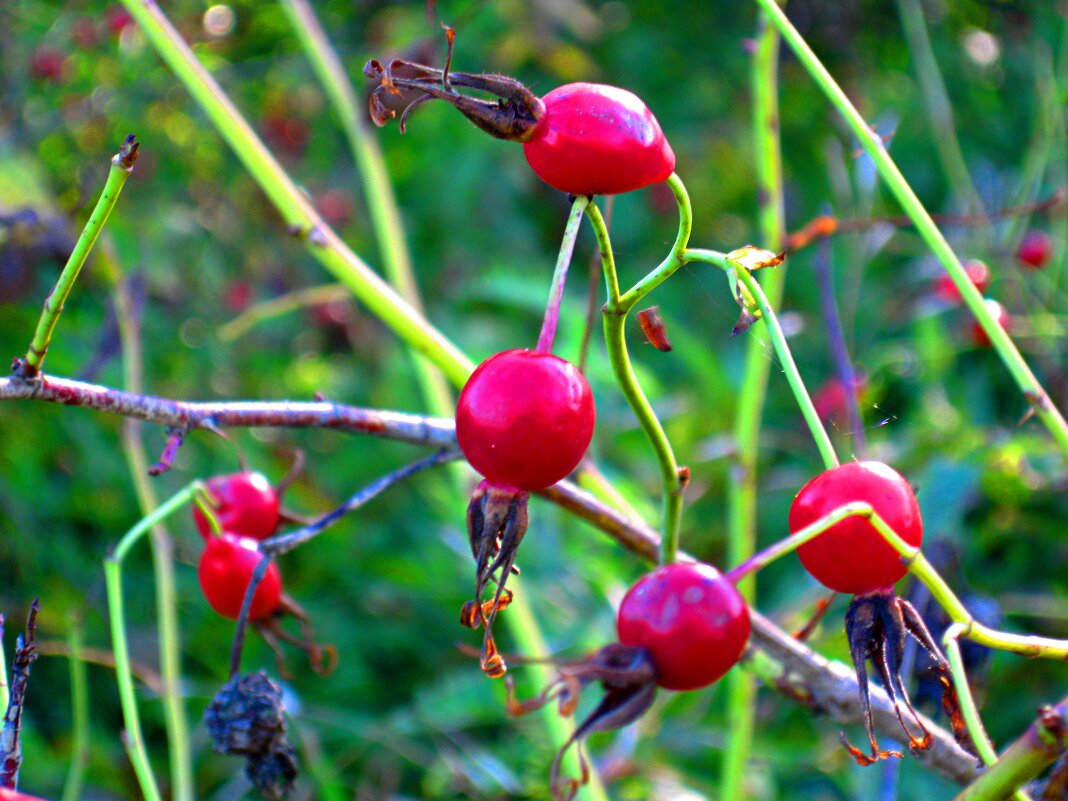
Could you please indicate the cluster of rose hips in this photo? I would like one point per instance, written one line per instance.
(525, 419)
(1033, 253)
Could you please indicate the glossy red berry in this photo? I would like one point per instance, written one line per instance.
(225, 571)
(15, 795)
(525, 419)
(851, 556)
(691, 620)
(1035, 250)
(598, 140)
(246, 504)
(978, 274)
(1004, 319)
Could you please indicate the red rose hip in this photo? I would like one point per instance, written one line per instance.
(598, 140)
(979, 336)
(851, 556)
(225, 570)
(691, 620)
(525, 419)
(1035, 250)
(978, 274)
(246, 504)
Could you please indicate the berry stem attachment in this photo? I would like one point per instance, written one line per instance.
(1025, 645)
(782, 349)
(121, 166)
(133, 738)
(1032, 390)
(615, 317)
(563, 263)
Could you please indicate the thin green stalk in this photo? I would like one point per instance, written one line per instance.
(121, 167)
(385, 217)
(615, 317)
(530, 640)
(170, 648)
(280, 305)
(782, 351)
(969, 710)
(1026, 645)
(1025, 759)
(742, 486)
(79, 704)
(936, 99)
(675, 259)
(563, 263)
(134, 739)
(292, 204)
(912, 206)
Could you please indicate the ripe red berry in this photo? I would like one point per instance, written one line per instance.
(690, 619)
(246, 504)
(978, 274)
(47, 64)
(1004, 319)
(525, 419)
(598, 140)
(851, 556)
(1035, 250)
(225, 571)
(15, 795)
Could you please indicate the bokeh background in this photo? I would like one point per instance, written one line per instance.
(193, 240)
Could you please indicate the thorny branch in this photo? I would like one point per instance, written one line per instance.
(10, 747)
(803, 676)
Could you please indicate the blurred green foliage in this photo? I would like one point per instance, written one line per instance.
(406, 715)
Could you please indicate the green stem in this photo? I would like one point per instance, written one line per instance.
(121, 167)
(969, 711)
(382, 207)
(935, 98)
(292, 204)
(530, 640)
(633, 296)
(563, 263)
(912, 206)
(782, 351)
(170, 649)
(1026, 645)
(280, 305)
(742, 486)
(1025, 759)
(79, 703)
(134, 739)
(615, 317)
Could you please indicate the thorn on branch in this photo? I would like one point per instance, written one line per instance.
(175, 438)
(127, 155)
(25, 655)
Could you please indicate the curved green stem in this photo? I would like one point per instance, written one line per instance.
(170, 647)
(382, 207)
(968, 708)
(134, 739)
(782, 350)
(1026, 645)
(633, 296)
(615, 317)
(742, 486)
(910, 203)
(292, 204)
(79, 703)
(121, 167)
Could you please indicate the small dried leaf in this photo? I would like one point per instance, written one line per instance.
(750, 257)
(653, 327)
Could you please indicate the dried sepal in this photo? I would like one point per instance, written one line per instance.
(877, 624)
(653, 327)
(629, 680)
(496, 522)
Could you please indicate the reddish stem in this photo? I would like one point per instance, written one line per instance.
(563, 262)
